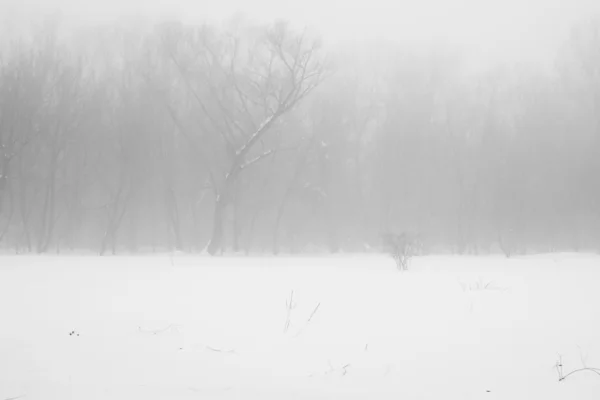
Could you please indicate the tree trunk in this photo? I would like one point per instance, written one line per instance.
(217, 232)
(173, 218)
(115, 217)
(23, 208)
(11, 212)
(236, 220)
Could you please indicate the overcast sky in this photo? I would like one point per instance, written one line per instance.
(502, 29)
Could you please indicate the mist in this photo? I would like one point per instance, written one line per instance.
(284, 127)
(491, 32)
(312, 199)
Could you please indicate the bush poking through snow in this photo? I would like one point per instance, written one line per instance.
(506, 244)
(481, 285)
(401, 247)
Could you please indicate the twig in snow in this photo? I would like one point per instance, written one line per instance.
(343, 369)
(562, 376)
(581, 358)
(289, 305)
(232, 351)
(313, 313)
(308, 320)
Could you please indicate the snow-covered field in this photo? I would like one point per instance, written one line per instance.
(200, 328)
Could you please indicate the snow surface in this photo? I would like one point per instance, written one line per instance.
(184, 327)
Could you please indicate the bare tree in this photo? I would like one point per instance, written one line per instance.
(242, 86)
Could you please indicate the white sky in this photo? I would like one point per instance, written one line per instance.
(521, 30)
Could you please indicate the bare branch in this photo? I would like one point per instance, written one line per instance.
(257, 159)
(228, 119)
(198, 99)
(242, 96)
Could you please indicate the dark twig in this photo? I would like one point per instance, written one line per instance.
(308, 320)
(220, 350)
(313, 313)
(289, 307)
(562, 376)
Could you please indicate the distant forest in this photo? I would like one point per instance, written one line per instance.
(251, 139)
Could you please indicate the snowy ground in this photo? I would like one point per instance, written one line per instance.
(200, 328)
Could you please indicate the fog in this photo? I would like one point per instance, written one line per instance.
(410, 190)
(510, 31)
(466, 127)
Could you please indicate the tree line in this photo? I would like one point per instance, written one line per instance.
(241, 137)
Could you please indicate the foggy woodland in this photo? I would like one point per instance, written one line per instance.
(242, 138)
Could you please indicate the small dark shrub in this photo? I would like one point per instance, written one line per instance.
(402, 247)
